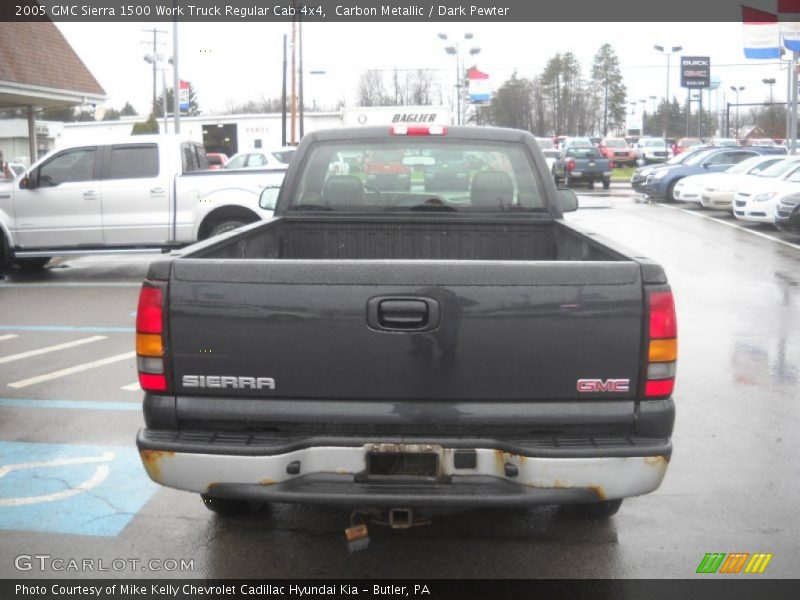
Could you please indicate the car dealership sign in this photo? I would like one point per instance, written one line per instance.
(695, 71)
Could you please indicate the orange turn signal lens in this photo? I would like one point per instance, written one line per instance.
(149, 345)
(663, 350)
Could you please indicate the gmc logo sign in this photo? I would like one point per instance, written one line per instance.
(603, 385)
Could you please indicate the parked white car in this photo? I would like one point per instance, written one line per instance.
(549, 150)
(261, 159)
(719, 192)
(721, 187)
(652, 150)
(139, 193)
(758, 199)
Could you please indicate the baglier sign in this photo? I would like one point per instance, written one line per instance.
(695, 71)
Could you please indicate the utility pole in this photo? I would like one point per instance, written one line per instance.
(605, 100)
(794, 105)
(293, 136)
(154, 43)
(176, 81)
(283, 96)
(300, 91)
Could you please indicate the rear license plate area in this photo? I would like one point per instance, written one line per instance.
(402, 464)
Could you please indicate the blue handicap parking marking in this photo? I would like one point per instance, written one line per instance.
(66, 488)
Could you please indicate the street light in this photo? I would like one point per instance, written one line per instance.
(455, 50)
(770, 82)
(643, 102)
(736, 91)
(669, 53)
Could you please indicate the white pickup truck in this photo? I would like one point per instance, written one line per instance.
(136, 194)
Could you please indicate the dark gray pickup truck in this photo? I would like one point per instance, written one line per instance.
(582, 164)
(409, 349)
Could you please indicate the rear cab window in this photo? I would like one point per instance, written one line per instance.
(419, 174)
(193, 157)
(581, 152)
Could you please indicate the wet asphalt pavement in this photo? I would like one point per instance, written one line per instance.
(732, 485)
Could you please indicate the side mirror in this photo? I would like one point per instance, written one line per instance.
(26, 183)
(268, 197)
(567, 200)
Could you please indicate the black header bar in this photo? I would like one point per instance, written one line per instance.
(341, 11)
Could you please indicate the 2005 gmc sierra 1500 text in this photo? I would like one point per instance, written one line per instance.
(409, 349)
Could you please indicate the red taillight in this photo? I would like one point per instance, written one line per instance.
(570, 165)
(659, 387)
(662, 351)
(417, 130)
(150, 341)
(149, 316)
(152, 383)
(662, 315)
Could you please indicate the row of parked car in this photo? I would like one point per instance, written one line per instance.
(756, 183)
(254, 159)
(635, 150)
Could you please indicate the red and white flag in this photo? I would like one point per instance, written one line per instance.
(761, 38)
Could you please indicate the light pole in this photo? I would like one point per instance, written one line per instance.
(158, 63)
(643, 102)
(736, 91)
(456, 51)
(669, 53)
(770, 82)
(633, 111)
(653, 98)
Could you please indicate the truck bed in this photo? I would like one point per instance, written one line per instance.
(332, 238)
(502, 287)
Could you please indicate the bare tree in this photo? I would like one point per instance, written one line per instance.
(261, 105)
(371, 90)
(419, 87)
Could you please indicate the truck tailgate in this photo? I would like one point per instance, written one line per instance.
(465, 330)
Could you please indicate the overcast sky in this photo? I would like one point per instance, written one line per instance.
(234, 62)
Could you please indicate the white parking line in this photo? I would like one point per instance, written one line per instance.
(10, 336)
(131, 387)
(71, 370)
(734, 225)
(64, 346)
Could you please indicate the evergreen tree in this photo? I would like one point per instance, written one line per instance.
(512, 104)
(128, 110)
(608, 89)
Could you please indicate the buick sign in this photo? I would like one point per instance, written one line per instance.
(695, 71)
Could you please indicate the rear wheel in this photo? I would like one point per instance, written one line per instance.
(227, 507)
(225, 226)
(593, 510)
(606, 184)
(3, 255)
(30, 265)
(591, 184)
(567, 180)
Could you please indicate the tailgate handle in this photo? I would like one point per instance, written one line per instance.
(402, 314)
